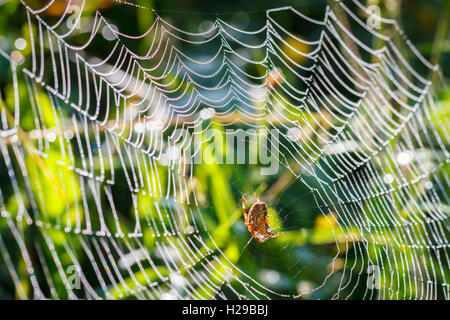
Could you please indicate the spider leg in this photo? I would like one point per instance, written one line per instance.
(269, 213)
(243, 209)
(256, 195)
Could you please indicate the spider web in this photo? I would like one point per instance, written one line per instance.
(353, 124)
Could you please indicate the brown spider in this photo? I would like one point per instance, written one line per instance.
(257, 221)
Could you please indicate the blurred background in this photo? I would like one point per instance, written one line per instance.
(297, 262)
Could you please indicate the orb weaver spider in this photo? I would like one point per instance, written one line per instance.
(257, 220)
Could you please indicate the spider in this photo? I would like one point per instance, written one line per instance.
(257, 221)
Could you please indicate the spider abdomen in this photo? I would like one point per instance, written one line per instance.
(257, 222)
